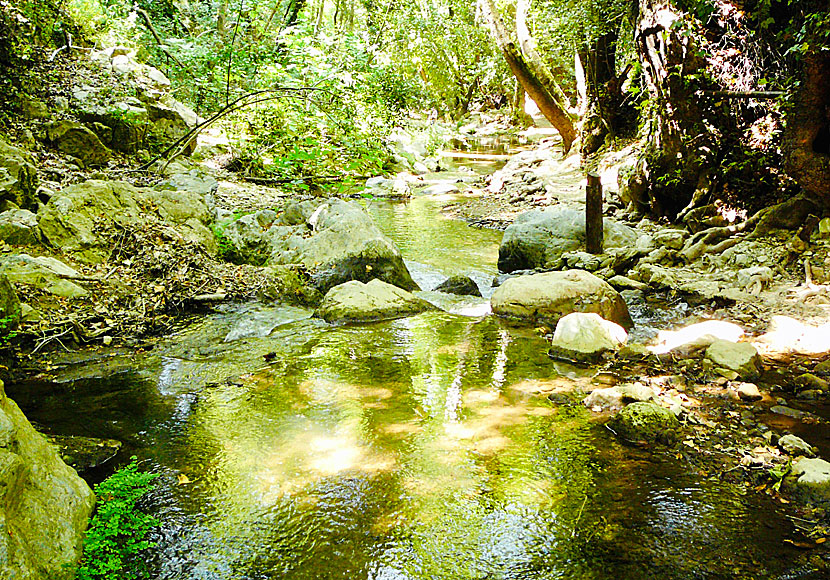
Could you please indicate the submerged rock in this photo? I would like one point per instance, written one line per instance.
(461, 285)
(644, 421)
(545, 298)
(539, 238)
(44, 505)
(585, 336)
(85, 453)
(376, 300)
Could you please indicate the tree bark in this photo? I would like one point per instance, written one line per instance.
(553, 112)
(807, 137)
(534, 59)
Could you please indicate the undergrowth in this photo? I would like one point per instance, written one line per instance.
(116, 540)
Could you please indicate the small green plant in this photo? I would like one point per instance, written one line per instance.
(222, 242)
(116, 540)
(8, 325)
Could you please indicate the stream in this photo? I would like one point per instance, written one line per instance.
(420, 448)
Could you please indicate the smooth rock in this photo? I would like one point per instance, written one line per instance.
(376, 300)
(748, 392)
(547, 297)
(645, 421)
(756, 277)
(740, 357)
(622, 283)
(812, 478)
(792, 445)
(44, 505)
(822, 368)
(460, 285)
(585, 336)
(537, 239)
(671, 238)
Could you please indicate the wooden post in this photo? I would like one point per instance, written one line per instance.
(593, 214)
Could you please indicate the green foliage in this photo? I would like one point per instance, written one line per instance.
(8, 332)
(116, 540)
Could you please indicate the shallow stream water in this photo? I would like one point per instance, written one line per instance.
(421, 448)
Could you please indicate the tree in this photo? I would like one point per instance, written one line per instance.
(528, 76)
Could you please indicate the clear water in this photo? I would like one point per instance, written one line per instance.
(422, 448)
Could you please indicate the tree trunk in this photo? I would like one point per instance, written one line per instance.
(673, 167)
(807, 137)
(537, 91)
(534, 59)
(603, 102)
(518, 106)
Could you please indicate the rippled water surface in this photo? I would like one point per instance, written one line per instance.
(422, 448)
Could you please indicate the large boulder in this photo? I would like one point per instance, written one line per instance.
(122, 126)
(78, 141)
(358, 302)
(170, 120)
(81, 219)
(337, 242)
(586, 336)
(538, 238)
(18, 177)
(44, 505)
(545, 298)
(646, 421)
(811, 479)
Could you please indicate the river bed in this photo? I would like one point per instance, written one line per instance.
(425, 447)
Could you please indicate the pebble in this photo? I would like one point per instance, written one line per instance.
(748, 392)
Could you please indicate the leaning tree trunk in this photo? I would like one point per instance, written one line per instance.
(807, 136)
(553, 111)
(671, 169)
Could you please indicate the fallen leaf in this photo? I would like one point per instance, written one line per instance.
(183, 479)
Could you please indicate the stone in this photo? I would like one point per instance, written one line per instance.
(748, 392)
(616, 397)
(18, 177)
(824, 228)
(809, 381)
(644, 421)
(44, 505)
(43, 273)
(339, 242)
(77, 218)
(78, 141)
(127, 125)
(442, 188)
(170, 120)
(790, 412)
(547, 297)
(18, 227)
(671, 238)
(795, 446)
(29, 314)
(585, 336)
(812, 478)
(740, 357)
(622, 283)
(376, 300)
(246, 242)
(32, 108)
(461, 285)
(822, 368)
(537, 239)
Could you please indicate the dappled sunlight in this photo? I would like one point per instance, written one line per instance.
(790, 336)
(697, 335)
(557, 384)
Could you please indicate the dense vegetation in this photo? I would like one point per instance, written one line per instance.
(722, 92)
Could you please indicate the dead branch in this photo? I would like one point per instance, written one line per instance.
(159, 41)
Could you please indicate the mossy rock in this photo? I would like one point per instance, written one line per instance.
(646, 422)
